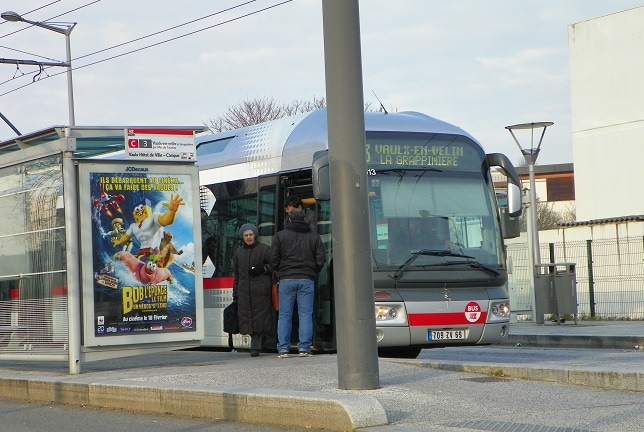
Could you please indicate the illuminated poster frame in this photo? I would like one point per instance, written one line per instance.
(140, 253)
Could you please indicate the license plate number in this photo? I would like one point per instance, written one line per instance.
(438, 335)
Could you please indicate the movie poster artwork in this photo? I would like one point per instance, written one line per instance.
(143, 253)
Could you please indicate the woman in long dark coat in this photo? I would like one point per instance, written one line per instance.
(252, 287)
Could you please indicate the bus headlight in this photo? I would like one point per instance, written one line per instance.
(390, 314)
(499, 311)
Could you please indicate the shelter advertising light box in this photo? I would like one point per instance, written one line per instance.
(140, 267)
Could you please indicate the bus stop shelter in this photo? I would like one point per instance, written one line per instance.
(45, 255)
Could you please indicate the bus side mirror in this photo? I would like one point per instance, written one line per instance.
(514, 184)
(514, 199)
(320, 175)
(510, 226)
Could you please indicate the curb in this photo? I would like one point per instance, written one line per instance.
(290, 408)
(572, 341)
(622, 381)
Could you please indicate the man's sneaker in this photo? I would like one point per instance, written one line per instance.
(305, 354)
(282, 355)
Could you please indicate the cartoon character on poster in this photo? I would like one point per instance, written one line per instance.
(117, 232)
(143, 258)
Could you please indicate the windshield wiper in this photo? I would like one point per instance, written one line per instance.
(473, 264)
(430, 252)
(442, 252)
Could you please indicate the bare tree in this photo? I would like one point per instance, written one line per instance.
(548, 217)
(570, 214)
(299, 106)
(254, 111)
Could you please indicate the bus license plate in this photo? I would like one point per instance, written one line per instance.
(438, 335)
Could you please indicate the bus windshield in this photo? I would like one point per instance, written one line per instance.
(434, 211)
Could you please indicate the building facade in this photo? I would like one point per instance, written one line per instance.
(607, 90)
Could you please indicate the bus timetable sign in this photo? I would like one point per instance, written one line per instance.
(160, 144)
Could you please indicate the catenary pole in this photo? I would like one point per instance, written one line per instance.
(354, 304)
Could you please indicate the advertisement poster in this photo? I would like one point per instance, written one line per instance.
(141, 222)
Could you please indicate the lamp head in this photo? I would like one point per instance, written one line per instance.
(62, 28)
(11, 16)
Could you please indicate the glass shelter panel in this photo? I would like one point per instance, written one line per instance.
(32, 255)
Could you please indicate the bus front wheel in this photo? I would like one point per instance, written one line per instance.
(410, 352)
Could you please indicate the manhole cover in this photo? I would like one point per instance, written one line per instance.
(485, 379)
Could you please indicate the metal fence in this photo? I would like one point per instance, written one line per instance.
(609, 274)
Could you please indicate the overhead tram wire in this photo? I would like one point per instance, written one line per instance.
(139, 38)
(27, 13)
(47, 5)
(31, 11)
(146, 36)
(168, 29)
(23, 74)
(48, 19)
(158, 43)
(133, 40)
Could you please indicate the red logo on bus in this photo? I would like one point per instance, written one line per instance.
(472, 312)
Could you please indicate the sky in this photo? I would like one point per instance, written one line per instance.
(481, 65)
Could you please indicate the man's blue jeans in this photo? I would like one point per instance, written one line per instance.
(291, 291)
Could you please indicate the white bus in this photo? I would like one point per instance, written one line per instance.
(439, 263)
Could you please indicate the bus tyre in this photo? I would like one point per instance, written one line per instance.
(400, 352)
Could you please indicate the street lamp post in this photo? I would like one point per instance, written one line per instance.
(530, 154)
(64, 29)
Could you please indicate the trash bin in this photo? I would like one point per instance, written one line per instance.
(566, 289)
(555, 287)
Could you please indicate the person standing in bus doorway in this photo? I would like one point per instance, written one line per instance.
(291, 203)
(298, 255)
(252, 287)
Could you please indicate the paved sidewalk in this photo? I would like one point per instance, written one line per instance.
(584, 334)
(303, 392)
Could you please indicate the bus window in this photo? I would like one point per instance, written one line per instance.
(235, 205)
(266, 213)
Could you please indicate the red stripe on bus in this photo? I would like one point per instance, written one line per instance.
(14, 293)
(443, 319)
(218, 283)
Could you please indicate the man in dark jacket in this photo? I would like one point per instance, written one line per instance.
(298, 255)
(293, 202)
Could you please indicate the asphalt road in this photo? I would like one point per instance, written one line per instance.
(18, 416)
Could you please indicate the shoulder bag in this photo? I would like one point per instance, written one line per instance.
(275, 292)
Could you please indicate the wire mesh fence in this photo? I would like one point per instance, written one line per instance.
(609, 275)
